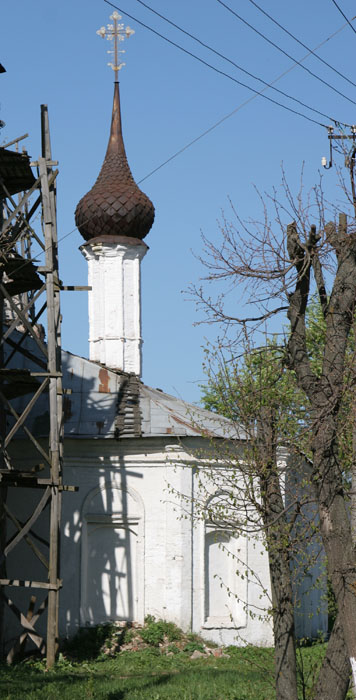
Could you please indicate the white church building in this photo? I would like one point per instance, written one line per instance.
(126, 552)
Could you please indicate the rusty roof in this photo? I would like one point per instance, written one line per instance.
(102, 403)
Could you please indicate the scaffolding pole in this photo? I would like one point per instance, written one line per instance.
(30, 368)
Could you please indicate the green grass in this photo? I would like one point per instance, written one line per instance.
(111, 663)
(145, 675)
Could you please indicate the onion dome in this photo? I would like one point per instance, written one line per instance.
(115, 205)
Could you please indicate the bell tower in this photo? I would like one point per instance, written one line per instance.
(113, 218)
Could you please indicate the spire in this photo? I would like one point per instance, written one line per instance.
(115, 205)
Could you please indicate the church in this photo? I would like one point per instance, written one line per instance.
(129, 548)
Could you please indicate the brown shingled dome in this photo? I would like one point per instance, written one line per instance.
(115, 205)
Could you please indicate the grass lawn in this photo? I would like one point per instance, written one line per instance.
(133, 675)
(152, 662)
(246, 675)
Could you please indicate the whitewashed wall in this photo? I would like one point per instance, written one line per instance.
(168, 562)
(126, 553)
(127, 550)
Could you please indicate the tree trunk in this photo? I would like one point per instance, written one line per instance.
(325, 393)
(283, 618)
(336, 533)
(277, 534)
(353, 475)
(333, 680)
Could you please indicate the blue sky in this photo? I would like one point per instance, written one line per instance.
(52, 55)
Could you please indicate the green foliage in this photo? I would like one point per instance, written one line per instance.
(258, 381)
(129, 635)
(155, 632)
(193, 646)
(240, 390)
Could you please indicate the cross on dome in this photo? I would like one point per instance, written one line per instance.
(115, 206)
(116, 32)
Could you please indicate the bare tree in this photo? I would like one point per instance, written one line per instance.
(281, 266)
(243, 488)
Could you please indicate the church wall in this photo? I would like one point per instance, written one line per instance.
(122, 530)
(101, 473)
(230, 572)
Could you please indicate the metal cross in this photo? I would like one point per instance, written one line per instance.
(115, 32)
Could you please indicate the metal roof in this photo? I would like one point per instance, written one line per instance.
(102, 403)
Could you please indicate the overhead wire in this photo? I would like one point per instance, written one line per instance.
(279, 48)
(236, 65)
(237, 109)
(302, 43)
(221, 72)
(344, 16)
(211, 128)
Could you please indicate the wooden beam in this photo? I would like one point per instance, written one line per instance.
(24, 320)
(28, 539)
(26, 353)
(29, 583)
(28, 524)
(18, 209)
(11, 143)
(20, 421)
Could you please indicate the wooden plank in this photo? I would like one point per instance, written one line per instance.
(24, 622)
(31, 520)
(28, 539)
(11, 143)
(30, 482)
(75, 288)
(29, 583)
(55, 385)
(24, 223)
(18, 209)
(31, 617)
(25, 310)
(26, 353)
(24, 320)
(26, 430)
(20, 421)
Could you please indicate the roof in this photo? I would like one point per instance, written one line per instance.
(115, 205)
(107, 403)
(15, 171)
(103, 403)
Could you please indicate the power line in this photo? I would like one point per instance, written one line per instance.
(301, 43)
(344, 16)
(236, 65)
(237, 109)
(217, 70)
(283, 51)
(210, 129)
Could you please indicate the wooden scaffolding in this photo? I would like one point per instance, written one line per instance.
(30, 369)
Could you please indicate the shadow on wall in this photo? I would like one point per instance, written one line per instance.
(102, 531)
(111, 551)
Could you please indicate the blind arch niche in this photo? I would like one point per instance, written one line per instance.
(112, 560)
